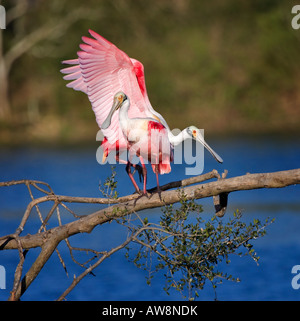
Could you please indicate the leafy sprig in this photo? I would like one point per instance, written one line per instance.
(189, 249)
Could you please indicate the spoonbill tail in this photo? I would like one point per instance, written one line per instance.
(100, 71)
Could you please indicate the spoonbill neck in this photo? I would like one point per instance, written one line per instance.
(123, 116)
(178, 139)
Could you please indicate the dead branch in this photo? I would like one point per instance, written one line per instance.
(48, 240)
(134, 203)
(50, 29)
(88, 270)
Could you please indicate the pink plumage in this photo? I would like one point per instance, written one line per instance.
(101, 70)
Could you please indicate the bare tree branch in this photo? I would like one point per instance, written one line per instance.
(53, 29)
(48, 240)
(136, 203)
(16, 11)
(24, 41)
(76, 280)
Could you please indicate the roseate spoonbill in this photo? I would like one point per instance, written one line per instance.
(100, 71)
(146, 138)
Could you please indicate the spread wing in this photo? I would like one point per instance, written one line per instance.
(101, 71)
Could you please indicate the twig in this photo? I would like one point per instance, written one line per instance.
(18, 272)
(72, 248)
(76, 280)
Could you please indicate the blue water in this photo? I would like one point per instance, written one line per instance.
(75, 172)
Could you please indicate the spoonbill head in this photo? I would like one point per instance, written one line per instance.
(119, 99)
(196, 134)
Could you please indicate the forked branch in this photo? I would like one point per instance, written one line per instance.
(48, 240)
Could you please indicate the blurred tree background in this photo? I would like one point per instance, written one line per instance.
(230, 67)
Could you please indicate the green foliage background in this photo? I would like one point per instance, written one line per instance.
(230, 67)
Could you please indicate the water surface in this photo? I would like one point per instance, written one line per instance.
(71, 171)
